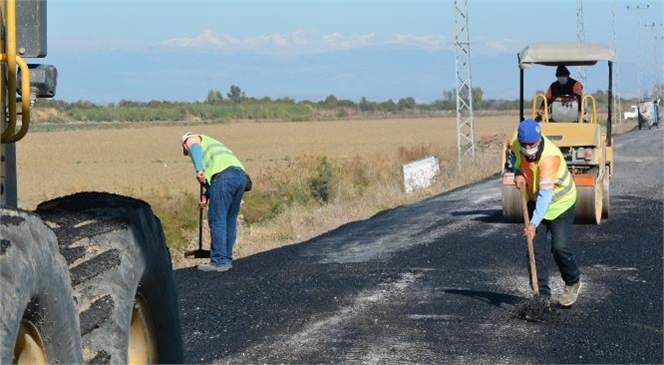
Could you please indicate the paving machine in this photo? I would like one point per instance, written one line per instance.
(84, 278)
(574, 126)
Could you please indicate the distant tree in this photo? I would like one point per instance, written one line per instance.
(128, 103)
(52, 103)
(286, 100)
(437, 104)
(236, 95)
(84, 104)
(156, 103)
(449, 100)
(601, 97)
(214, 97)
(330, 101)
(478, 98)
(406, 103)
(366, 106)
(307, 103)
(346, 103)
(388, 106)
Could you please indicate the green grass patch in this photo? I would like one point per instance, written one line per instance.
(178, 213)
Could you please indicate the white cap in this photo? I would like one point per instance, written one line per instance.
(186, 136)
(184, 139)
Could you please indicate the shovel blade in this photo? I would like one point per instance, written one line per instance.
(197, 254)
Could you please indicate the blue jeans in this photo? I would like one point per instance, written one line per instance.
(561, 247)
(225, 196)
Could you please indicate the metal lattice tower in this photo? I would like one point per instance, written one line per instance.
(638, 9)
(618, 115)
(580, 36)
(464, 84)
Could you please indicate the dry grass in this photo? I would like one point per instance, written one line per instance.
(144, 158)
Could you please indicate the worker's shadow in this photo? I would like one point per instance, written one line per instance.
(497, 299)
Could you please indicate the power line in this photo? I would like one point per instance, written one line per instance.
(580, 36)
(656, 61)
(638, 9)
(618, 115)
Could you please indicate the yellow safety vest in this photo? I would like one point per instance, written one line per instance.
(564, 189)
(217, 157)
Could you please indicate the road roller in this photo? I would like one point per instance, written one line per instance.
(573, 124)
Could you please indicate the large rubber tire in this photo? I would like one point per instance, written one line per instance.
(35, 295)
(119, 263)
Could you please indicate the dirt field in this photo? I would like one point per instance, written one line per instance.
(147, 158)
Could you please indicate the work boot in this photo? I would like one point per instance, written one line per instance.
(211, 267)
(570, 294)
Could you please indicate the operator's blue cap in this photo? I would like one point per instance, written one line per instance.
(529, 132)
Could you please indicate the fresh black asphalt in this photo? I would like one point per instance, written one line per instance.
(438, 282)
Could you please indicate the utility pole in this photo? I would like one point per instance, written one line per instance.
(464, 84)
(656, 60)
(618, 115)
(660, 84)
(580, 36)
(638, 9)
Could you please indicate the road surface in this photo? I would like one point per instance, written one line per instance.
(439, 282)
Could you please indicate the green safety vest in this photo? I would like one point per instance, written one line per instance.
(564, 189)
(217, 157)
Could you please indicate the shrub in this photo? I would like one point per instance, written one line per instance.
(322, 185)
(178, 214)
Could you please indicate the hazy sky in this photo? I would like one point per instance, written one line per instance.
(110, 50)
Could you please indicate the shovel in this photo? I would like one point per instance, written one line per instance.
(537, 309)
(200, 253)
(531, 248)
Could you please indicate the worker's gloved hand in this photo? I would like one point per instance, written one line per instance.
(203, 202)
(520, 182)
(530, 231)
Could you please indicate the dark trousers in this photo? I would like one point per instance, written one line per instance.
(561, 247)
(226, 192)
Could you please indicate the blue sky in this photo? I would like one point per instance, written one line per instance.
(109, 50)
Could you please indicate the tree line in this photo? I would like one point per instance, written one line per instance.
(235, 104)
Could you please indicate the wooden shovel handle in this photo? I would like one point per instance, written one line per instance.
(200, 221)
(531, 247)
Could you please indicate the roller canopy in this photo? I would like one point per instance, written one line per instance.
(570, 54)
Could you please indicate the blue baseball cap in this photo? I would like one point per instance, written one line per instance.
(529, 132)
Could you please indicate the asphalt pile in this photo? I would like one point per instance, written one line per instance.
(536, 310)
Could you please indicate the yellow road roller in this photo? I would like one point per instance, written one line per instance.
(573, 124)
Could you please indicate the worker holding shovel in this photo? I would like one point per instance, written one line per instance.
(541, 170)
(218, 169)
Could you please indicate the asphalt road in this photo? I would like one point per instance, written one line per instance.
(439, 282)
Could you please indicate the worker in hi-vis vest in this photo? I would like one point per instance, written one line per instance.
(540, 168)
(218, 169)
